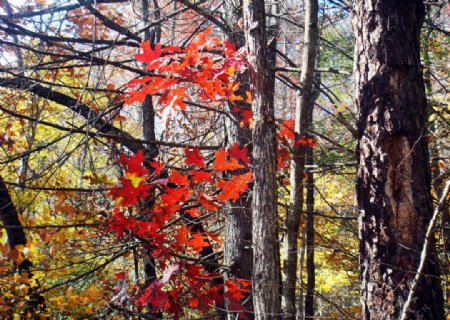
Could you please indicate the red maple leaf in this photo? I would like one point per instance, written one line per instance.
(200, 176)
(194, 213)
(240, 154)
(134, 163)
(149, 55)
(287, 130)
(208, 204)
(154, 296)
(283, 157)
(232, 189)
(120, 275)
(198, 242)
(307, 142)
(118, 223)
(222, 164)
(128, 193)
(178, 178)
(193, 156)
(157, 166)
(182, 235)
(175, 196)
(236, 288)
(246, 115)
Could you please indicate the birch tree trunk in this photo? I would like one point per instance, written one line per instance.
(393, 181)
(303, 119)
(266, 260)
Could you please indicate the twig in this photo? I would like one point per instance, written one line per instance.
(424, 253)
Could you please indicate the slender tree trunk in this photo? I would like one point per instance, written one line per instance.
(266, 260)
(303, 119)
(238, 253)
(151, 151)
(301, 295)
(310, 267)
(393, 182)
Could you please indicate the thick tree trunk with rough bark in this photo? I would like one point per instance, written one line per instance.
(303, 121)
(393, 182)
(266, 261)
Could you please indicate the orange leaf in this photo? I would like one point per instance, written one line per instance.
(182, 234)
(178, 178)
(198, 242)
(232, 190)
(200, 176)
(307, 142)
(222, 164)
(287, 132)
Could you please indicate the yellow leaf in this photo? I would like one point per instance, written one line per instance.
(135, 179)
(432, 117)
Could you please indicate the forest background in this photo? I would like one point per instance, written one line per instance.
(127, 159)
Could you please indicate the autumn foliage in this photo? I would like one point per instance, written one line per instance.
(207, 67)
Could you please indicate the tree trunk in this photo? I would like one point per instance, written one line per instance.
(303, 119)
(310, 267)
(151, 151)
(393, 182)
(301, 296)
(238, 253)
(35, 305)
(266, 260)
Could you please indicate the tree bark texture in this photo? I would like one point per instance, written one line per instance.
(393, 180)
(266, 260)
(310, 244)
(238, 253)
(303, 120)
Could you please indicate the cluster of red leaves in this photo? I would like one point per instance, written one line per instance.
(287, 134)
(171, 293)
(206, 68)
(133, 183)
(287, 138)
